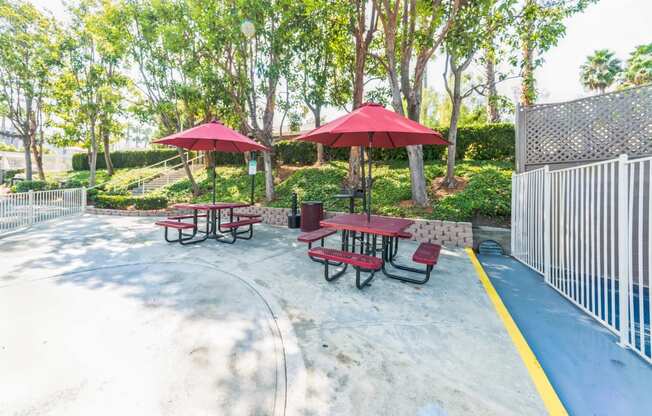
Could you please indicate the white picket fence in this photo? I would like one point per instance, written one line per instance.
(24, 209)
(588, 231)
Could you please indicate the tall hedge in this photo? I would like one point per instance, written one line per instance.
(475, 142)
(141, 158)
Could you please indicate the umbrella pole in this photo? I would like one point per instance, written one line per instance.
(363, 180)
(369, 184)
(214, 162)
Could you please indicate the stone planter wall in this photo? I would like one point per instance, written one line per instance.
(446, 233)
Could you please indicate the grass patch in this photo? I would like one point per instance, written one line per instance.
(487, 194)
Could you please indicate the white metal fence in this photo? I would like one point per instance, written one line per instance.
(26, 208)
(527, 217)
(588, 230)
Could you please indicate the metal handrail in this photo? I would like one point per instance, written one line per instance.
(153, 175)
(141, 181)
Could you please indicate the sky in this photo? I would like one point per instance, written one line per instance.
(618, 25)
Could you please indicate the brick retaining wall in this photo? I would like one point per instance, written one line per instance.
(446, 233)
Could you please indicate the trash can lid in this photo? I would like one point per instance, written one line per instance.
(311, 203)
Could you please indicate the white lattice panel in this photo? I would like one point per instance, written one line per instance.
(590, 129)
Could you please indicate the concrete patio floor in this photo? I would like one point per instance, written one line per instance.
(99, 315)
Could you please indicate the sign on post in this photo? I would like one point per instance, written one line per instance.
(252, 167)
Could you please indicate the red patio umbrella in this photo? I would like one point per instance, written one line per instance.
(213, 137)
(369, 126)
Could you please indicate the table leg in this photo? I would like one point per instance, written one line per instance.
(388, 259)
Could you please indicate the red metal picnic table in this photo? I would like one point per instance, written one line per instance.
(376, 225)
(214, 216)
(388, 228)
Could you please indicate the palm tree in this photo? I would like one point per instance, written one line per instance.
(600, 70)
(638, 70)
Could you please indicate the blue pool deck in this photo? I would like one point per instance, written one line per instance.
(591, 374)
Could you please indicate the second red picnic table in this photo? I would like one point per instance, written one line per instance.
(214, 214)
(388, 228)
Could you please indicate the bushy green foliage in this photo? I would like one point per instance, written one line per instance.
(474, 142)
(150, 202)
(313, 184)
(76, 179)
(24, 186)
(4, 147)
(112, 201)
(120, 181)
(144, 202)
(9, 174)
(232, 183)
(487, 194)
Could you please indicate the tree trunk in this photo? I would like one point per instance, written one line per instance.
(92, 163)
(415, 153)
(28, 156)
(269, 176)
(363, 36)
(37, 151)
(107, 152)
(354, 179)
(186, 168)
(528, 91)
(452, 131)
(492, 95)
(320, 147)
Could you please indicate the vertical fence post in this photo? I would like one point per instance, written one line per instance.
(83, 199)
(30, 207)
(547, 198)
(513, 223)
(623, 250)
(518, 144)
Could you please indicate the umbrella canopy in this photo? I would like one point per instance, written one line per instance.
(213, 136)
(371, 125)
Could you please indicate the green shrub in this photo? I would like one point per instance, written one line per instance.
(103, 200)
(113, 201)
(141, 158)
(24, 186)
(4, 147)
(474, 142)
(312, 184)
(151, 202)
(488, 194)
(8, 175)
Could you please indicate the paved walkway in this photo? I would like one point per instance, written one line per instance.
(590, 372)
(103, 317)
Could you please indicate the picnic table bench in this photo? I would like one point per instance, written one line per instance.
(213, 223)
(180, 227)
(232, 229)
(388, 230)
(360, 262)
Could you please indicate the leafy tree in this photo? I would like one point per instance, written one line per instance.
(89, 92)
(638, 69)
(600, 70)
(164, 47)
(27, 58)
(539, 26)
(322, 77)
(472, 33)
(413, 29)
(267, 45)
(363, 24)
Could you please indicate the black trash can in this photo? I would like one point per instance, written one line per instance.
(311, 213)
(294, 219)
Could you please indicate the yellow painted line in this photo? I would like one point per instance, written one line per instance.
(546, 391)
